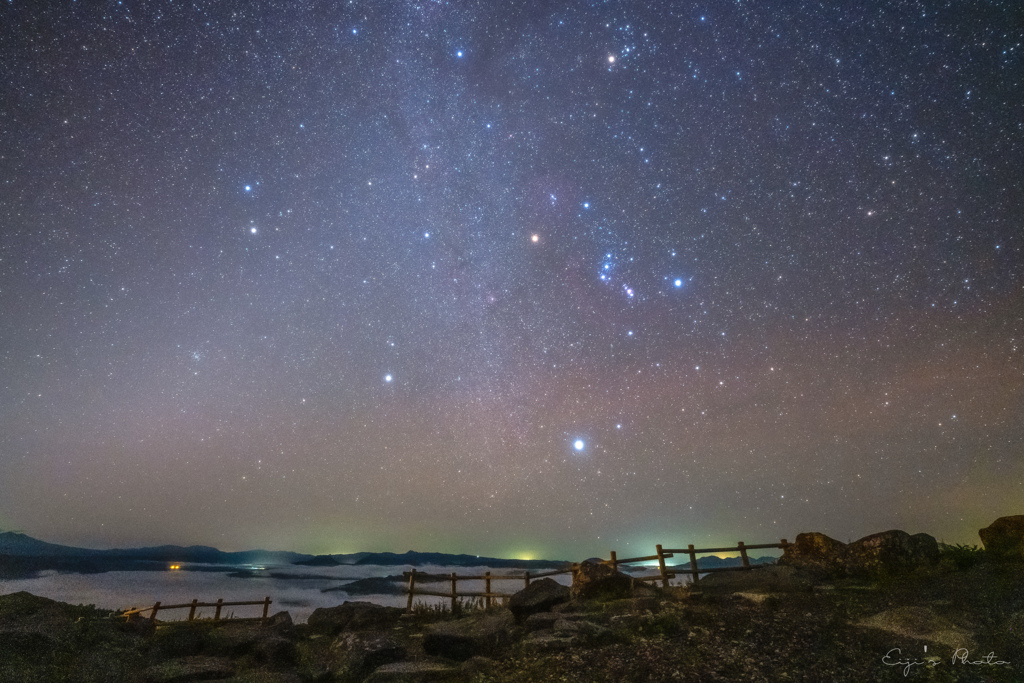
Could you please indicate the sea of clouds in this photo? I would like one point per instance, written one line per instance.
(119, 590)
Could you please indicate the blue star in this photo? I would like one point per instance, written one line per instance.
(678, 282)
(248, 188)
(578, 444)
(388, 378)
(459, 53)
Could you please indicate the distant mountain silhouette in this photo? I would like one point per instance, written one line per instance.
(22, 556)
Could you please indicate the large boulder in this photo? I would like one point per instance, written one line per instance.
(485, 635)
(1004, 538)
(539, 596)
(594, 580)
(353, 616)
(814, 552)
(361, 653)
(884, 552)
(890, 551)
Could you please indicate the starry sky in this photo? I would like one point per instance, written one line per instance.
(529, 279)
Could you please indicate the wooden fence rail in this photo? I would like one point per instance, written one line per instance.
(487, 594)
(159, 607)
(663, 575)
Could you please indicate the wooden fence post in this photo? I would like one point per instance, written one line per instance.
(412, 586)
(192, 610)
(526, 580)
(220, 603)
(743, 554)
(454, 593)
(661, 566)
(614, 562)
(266, 608)
(156, 607)
(487, 589)
(693, 563)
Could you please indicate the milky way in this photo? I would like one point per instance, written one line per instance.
(530, 279)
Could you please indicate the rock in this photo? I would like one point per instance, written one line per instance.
(190, 669)
(282, 621)
(475, 666)
(367, 651)
(767, 578)
(920, 623)
(1004, 538)
(814, 552)
(413, 672)
(889, 551)
(546, 641)
(461, 639)
(598, 581)
(276, 650)
(541, 621)
(539, 596)
(353, 616)
(886, 551)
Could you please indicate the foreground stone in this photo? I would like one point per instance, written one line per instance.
(539, 596)
(598, 581)
(486, 635)
(1004, 538)
(367, 651)
(353, 616)
(186, 669)
(413, 672)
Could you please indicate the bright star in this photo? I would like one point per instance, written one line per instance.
(578, 444)
(611, 59)
(535, 238)
(253, 229)
(387, 378)
(678, 282)
(586, 205)
(459, 53)
(248, 188)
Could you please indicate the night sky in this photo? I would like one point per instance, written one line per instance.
(529, 279)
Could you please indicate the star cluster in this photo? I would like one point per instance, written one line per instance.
(502, 278)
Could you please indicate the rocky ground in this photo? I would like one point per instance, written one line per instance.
(770, 624)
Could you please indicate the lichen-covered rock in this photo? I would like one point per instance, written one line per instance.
(360, 653)
(486, 635)
(815, 552)
(539, 596)
(598, 581)
(1004, 538)
(353, 616)
(889, 551)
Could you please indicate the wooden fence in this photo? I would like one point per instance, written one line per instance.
(158, 607)
(488, 595)
(664, 574)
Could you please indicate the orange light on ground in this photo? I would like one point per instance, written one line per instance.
(175, 566)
